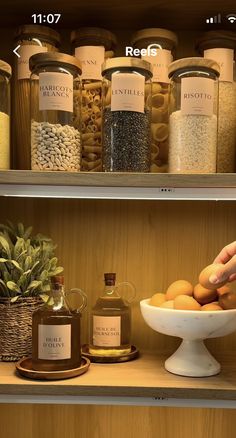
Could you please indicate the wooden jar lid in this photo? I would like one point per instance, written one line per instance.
(216, 39)
(145, 36)
(126, 61)
(88, 36)
(38, 31)
(195, 62)
(55, 58)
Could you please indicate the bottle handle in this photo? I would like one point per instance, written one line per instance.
(83, 296)
(131, 286)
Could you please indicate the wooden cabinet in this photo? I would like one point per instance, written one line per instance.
(149, 230)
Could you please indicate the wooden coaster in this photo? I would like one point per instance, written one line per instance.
(134, 353)
(24, 368)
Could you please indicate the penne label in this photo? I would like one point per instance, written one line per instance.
(127, 92)
(91, 58)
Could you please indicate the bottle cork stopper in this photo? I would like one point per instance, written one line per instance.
(110, 278)
(57, 279)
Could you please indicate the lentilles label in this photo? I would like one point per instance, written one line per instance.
(56, 91)
(127, 92)
(197, 96)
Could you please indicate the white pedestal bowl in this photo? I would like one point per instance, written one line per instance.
(192, 357)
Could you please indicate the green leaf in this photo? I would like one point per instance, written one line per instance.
(5, 245)
(44, 297)
(56, 271)
(14, 299)
(19, 247)
(3, 288)
(34, 284)
(44, 275)
(20, 229)
(13, 286)
(28, 263)
(27, 233)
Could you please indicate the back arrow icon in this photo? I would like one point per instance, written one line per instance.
(15, 51)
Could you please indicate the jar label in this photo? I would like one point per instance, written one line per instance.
(127, 92)
(197, 96)
(54, 342)
(25, 52)
(56, 92)
(225, 59)
(91, 58)
(106, 331)
(160, 63)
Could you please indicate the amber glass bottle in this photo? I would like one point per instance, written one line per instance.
(56, 332)
(110, 323)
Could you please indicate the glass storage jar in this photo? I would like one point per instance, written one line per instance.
(91, 46)
(126, 115)
(32, 39)
(5, 75)
(221, 46)
(55, 141)
(193, 115)
(160, 45)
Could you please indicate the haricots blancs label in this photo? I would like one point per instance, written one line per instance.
(127, 92)
(106, 331)
(25, 52)
(54, 342)
(91, 58)
(225, 59)
(160, 63)
(56, 92)
(197, 96)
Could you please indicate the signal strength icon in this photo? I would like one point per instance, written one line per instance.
(215, 19)
(231, 18)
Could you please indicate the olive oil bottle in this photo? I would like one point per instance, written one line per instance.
(56, 332)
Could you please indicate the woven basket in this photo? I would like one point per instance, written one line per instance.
(16, 327)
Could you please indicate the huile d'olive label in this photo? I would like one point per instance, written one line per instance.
(197, 96)
(127, 92)
(56, 92)
(54, 342)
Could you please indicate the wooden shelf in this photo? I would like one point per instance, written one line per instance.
(142, 378)
(117, 185)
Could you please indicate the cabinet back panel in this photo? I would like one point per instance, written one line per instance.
(148, 243)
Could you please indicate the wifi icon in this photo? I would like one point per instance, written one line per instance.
(231, 18)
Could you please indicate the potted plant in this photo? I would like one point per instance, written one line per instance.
(26, 264)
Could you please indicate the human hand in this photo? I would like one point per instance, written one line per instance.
(226, 257)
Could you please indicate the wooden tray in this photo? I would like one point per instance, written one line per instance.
(24, 368)
(112, 359)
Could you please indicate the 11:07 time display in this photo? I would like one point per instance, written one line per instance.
(46, 18)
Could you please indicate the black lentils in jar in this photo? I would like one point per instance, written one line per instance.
(126, 141)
